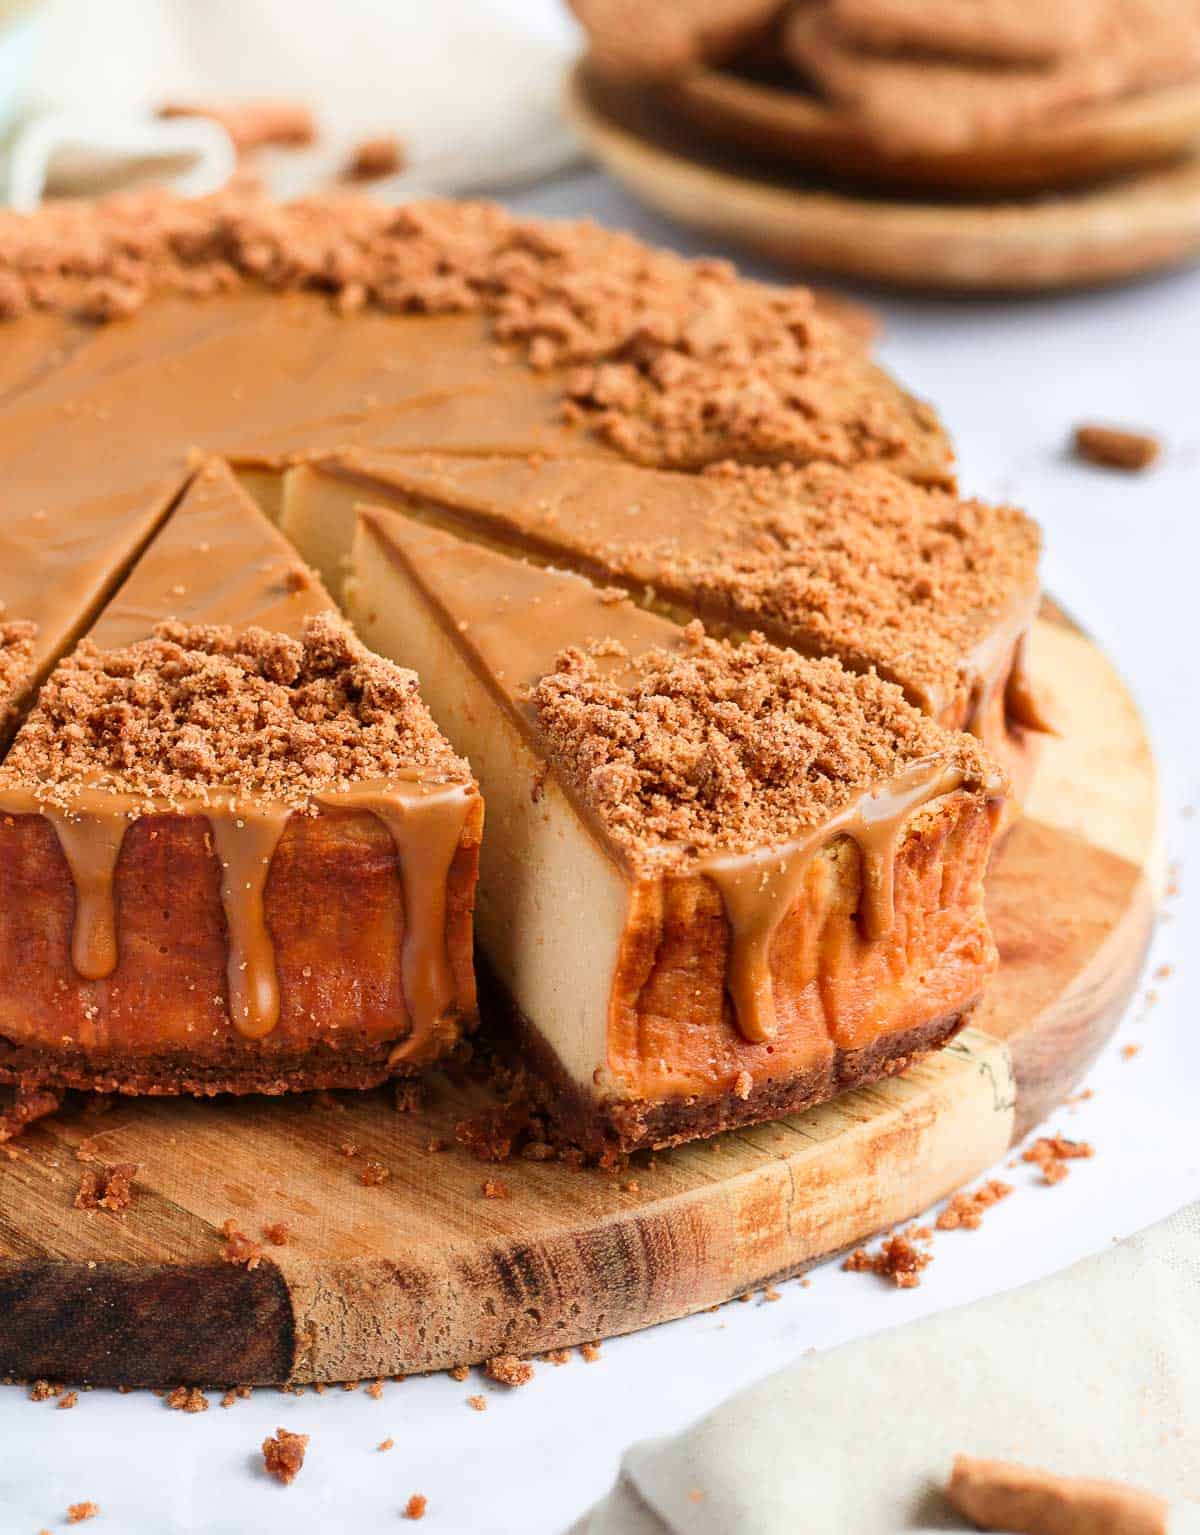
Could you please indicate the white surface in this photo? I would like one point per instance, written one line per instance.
(1010, 380)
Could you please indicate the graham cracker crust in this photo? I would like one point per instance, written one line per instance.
(602, 1126)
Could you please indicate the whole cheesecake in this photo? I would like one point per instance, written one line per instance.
(236, 850)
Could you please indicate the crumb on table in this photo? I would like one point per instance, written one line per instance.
(381, 155)
(1114, 447)
(283, 1455)
(508, 1370)
(106, 1188)
(416, 1506)
(78, 1512)
(1000, 1495)
(897, 1259)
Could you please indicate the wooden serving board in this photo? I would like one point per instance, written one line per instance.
(422, 1272)
(1103, 232)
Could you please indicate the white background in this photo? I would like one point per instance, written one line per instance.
(1010, 379)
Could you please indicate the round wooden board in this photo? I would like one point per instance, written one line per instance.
(797, 128)
(1103, 233)
(422, 1272)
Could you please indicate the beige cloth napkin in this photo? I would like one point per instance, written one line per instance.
(469, 87)
(1093, 1372)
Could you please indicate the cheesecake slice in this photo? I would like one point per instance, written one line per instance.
(236, 854)
(931, 592)
(721, 881)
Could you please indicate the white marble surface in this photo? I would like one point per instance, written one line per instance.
(1122, 554)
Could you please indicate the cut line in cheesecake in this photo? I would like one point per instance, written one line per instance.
(237, 854)
(722, 881)
(931, 592)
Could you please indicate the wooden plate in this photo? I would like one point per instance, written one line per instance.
(791, 125)
(422, 1272)
(1098, 234)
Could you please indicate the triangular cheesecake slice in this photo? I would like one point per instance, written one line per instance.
(933, 593)
(721, 882)
(236, 854)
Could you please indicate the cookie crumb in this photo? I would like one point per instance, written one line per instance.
(1051, 1153)
(238, 1246)
(375, 1390)
(590, 1352)
(508, 1370)
(26, 1107)
(966, 1210)
(493, 1188)
(459, 1371)
(373, 1174)
(558, 1356)
(67, 1400)
(78, 1512)
(374, 158)
(1113, 447)
(187, 1399)
(897, 1259)
(416, 1506)
(385, 1444)
(478, 1403)
(283, 1455)
(1129, 1051)
(252, 125)
(106, 1188)
(235, 1394)
(277, 1233)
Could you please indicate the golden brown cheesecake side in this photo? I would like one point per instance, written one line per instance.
(934, 593)
(233, 858)
(722, 881)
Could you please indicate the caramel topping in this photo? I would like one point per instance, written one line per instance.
(246, 839)
(759, 888)
(667, 360)
(91, 843)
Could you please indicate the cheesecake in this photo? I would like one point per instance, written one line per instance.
(722, 881)
(236, 852)
(934, 593)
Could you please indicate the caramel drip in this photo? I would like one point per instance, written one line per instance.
(1023, 704)
(91, 844)
(760, 887)
(426, 824)
(245, 841)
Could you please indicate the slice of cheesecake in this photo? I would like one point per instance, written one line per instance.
(236, 854)
(721, 882)
(932, 593)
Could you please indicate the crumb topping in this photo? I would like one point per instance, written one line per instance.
(672, 361)
(728, 747)
(106, 1188)
(890, 574)
(17, 639)
(195, 709)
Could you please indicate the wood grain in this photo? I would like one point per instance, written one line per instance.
(1104, 232)
(422, 1271)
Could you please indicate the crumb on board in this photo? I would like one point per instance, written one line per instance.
(27, 1106)
(106, 1188)
(187, 1399)
(1113, 447)
(416, 1506)
(494, 1188)
(277, 1233)
(898, 1259)
(409, 1097)
(283, 1455)
(373, 1174)
(238, 1246)
(508, 1370)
